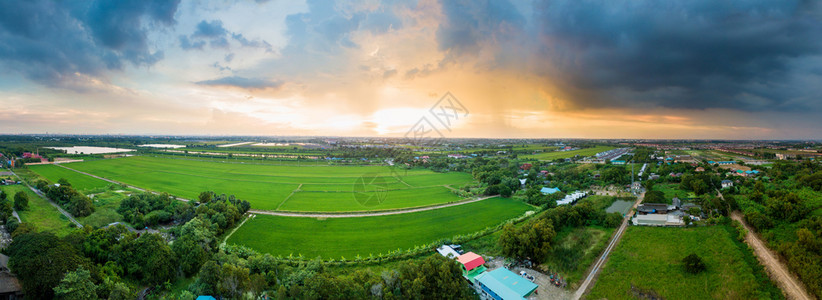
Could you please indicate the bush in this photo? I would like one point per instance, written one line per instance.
(693, 264)
(21, 201)
(11, 225)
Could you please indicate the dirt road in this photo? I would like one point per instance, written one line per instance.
(314, 215)
(600, 263)
(790, 285)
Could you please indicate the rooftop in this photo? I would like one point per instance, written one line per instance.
(507, 284)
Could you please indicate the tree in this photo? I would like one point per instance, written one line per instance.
(80, 206)
(76, 285)
(147, 258)
(613, 220)
(654, 197)
(21, 201)
(693, 264)
(40, 260)
(530, 241)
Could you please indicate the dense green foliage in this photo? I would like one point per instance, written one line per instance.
(21, 201)
(40, 260)
(66, 196)
(531, 241)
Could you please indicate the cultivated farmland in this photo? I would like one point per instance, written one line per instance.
(567, 154)
(79, 181)
(272, 187)
(349, 237)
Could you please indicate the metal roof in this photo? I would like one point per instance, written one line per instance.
(470, 260)
(507, 284)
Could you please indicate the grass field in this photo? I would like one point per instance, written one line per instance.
(567, 154)
(649, 258)
(267, 186)
(345, 201)
(79, 181)
(40, 213)
(575, 249)
(348, 237)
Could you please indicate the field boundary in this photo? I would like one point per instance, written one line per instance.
(364, 214)
(315, 214)
(289, 196)
(235, 229)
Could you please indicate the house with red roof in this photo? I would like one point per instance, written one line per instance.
(472, 265)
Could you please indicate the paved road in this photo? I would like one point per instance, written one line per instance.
(60, 209)
(594, 272)
(791, 286)
(311, 215)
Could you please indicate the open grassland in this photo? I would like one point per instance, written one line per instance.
(40, 212)
(349, 237)
(649, 259)
(575, 250)
(268, 187)
(79, 181)
(106, 203)
(567, 154)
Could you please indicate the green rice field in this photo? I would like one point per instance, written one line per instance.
(79, 181)
(649, 259)
(567, 154)
(349, 237)
(272, 187)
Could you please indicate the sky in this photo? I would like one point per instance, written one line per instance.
(515, 69)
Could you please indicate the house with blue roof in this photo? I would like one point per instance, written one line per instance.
(548, 191)
(502, 284)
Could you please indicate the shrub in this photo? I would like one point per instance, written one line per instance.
(693, 264)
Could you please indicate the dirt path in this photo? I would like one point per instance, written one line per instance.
(115, 182)
(790, 285)
(235, 229)
(365, 214)
(39, 193)
(312, 215)
(590, 279)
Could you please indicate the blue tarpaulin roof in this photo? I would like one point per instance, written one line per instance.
(506, 284)
(548, 191)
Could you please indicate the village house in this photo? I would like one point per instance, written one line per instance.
(727, 183)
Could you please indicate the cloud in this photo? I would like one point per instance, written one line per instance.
(187, 44)
(218, 37)
(48, 41)
(692, 54)
(243, 82)
(213, 29)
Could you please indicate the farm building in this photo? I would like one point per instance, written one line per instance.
(652, 208)
(448, 252)
(571, 198)
(472, 265)
(727, 183)
(10, 287)
(657, 220)
(548, 191)
(501, 283)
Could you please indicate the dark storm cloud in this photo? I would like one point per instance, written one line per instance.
(468, 23)
(683, 54)
(327, 30)
(242, 82)
(48, 41)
